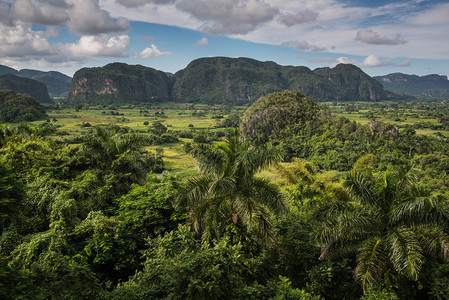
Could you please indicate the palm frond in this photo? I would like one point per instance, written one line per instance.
(209, 161)
(405, 252)
(421, 209)
(254, 159)
(269, 195)
(360, 187)
(263, 223)
(413, 211)
(435, 240)
(195, 189)
(406, 175)
(222, 186)
(372, 261)
(346, 227)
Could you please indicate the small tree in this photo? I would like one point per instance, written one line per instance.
(159, 128)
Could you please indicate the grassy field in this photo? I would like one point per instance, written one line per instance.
(73, 123)
(422, 116)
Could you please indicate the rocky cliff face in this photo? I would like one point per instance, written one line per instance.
(119, 83)
(429, 86)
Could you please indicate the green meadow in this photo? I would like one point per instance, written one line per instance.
(177, 117)
(73, 122)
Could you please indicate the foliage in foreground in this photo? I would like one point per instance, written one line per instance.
(228, 192)
(394, 226)
(86, 221)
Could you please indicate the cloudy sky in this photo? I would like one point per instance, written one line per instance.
(381, 37)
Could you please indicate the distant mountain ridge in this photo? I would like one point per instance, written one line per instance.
(221, 80)
(18, 84)
(230, 80)
(429, 86)
(58, 84)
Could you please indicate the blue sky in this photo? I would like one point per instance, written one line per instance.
(380, 37)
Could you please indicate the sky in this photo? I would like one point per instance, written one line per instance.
(380, 37)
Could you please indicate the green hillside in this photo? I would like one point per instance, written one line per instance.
(218, 80)
(58, 84)
(221, 79)
(429, 86)
(18, 84)
(119, 83)
(16, 107)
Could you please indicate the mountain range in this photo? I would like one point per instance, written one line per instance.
(58, 84)
(219, 80)
(222, 79)
(429, 86)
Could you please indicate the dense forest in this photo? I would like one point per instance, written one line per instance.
(17, 107)
(356, 211)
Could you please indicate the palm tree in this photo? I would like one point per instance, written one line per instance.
(111, 145)
(109, 150)
(390, 222)
(227, 191)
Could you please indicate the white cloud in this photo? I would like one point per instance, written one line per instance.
(102, 45)
(228, 16)
(373, 61)
(202, 42)
(369, 36)
(334, 28)
(303, 45)
(152, 52)
(304, 16)
(86, 18)
(45, 14)
(134, 3)
(20, 42)
(436, 15)
(317, 60)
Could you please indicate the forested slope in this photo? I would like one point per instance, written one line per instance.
(16, 107)
(429, 86)
(18, 84)
(119, 83)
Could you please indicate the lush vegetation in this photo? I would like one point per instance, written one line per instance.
(296, 204)
(16, 108)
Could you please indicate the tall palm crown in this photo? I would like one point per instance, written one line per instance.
(118, 153)
(391, 223)
(227, 190)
